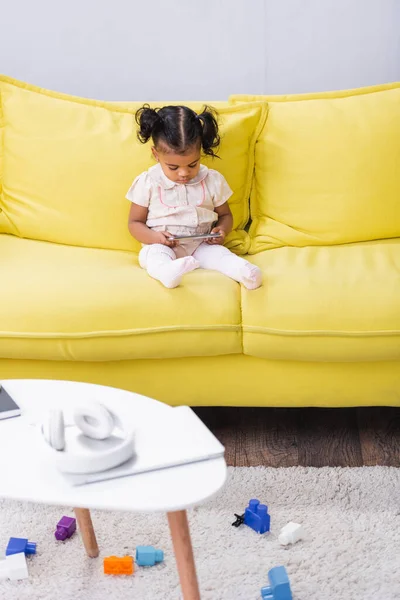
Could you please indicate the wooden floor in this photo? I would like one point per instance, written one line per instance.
(312, 437)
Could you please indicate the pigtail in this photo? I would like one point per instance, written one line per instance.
(210, 138)
(146, 118)
(179, 128)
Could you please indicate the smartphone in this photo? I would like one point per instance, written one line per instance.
(199, 236)
(8, 408)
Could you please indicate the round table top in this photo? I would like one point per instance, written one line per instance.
(25, 476)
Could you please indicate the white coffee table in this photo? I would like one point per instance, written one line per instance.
(170, 490)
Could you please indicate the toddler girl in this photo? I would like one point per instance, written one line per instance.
(179, 196)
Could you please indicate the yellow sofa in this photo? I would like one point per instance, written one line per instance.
(322, 173)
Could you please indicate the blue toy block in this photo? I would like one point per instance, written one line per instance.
(148, 556)
(17, 545)
(256, 516)
(279, 586)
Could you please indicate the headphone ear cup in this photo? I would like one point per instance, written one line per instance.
(53, 429)
(95, 421)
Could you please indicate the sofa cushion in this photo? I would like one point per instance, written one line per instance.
(329, 304)
(68, 163)
(84, 304)
(240, 98)
(327, 171)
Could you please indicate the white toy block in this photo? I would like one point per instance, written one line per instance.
(290, 534)
(14, 567)
(3, 568)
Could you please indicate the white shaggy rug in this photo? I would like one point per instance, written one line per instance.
(352, 552)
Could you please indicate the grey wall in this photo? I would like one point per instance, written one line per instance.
(185, 49)
(315, 45)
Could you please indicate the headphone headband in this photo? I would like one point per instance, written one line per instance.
(88, 447)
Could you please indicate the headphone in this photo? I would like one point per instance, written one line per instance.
(89, 446)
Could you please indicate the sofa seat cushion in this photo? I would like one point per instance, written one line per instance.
(332, 304)
(69, 303)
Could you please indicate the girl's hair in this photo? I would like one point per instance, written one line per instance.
(179, 128)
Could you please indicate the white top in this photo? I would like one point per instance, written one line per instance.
(24, 476)
(179, 205)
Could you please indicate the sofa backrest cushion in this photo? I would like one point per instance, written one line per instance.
(241, 98)
(327, 169)
(68, 163)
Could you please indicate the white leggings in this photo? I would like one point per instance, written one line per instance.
(161, 264)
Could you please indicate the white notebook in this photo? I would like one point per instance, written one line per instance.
(178, 439)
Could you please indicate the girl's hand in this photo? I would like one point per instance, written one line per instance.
(163, 237)
(219, 240)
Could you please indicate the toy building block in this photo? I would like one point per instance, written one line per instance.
(239, 520)
(148, 556)
(14, 567)
(17, 545)
(279, 586)
(290, 534)
(256, 516)
(65, 528)
(118, 565)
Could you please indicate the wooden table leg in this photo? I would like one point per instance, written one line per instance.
(182, 543)
(86, 528)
